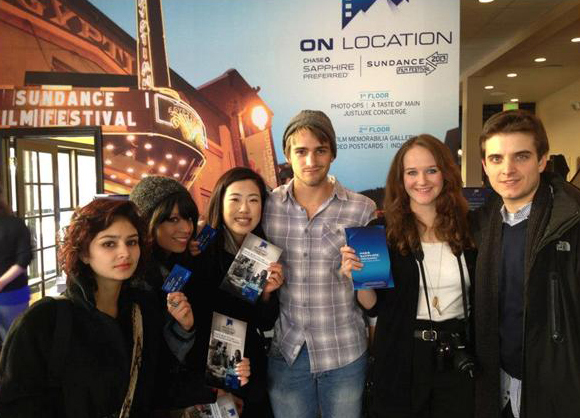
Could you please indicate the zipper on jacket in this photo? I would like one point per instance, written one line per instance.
(555, 317)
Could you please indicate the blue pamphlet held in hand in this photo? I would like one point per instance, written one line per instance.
(371, 247)
(205, 236)
(176, 280)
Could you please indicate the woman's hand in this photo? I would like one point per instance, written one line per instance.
(349, 261)
(274, 281)
(180, 309)
(193, 247)
(243, 371)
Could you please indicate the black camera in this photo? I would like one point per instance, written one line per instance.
(463, 360)
(454, 354)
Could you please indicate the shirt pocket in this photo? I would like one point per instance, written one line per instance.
(333, 237)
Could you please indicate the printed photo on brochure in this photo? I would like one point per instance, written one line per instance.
(248, 273)
(224, 407)
(226, 350)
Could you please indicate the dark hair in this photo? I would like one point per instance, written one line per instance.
(451, 221)
(215, 217)
(85, 224)
(516, 121)
(185, 206)
(4, 208)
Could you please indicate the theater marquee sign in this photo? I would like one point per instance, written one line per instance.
(145, 132)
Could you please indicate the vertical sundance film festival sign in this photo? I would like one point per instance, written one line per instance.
(383, 70)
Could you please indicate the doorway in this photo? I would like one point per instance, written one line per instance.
(50, 173)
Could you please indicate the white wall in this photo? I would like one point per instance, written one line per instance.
(563, 123)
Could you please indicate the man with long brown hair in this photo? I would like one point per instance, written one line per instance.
(527, 287)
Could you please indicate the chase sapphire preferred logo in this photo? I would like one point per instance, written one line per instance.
(350, 8)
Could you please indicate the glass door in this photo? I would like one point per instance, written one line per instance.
(37, 180)
(48, 172)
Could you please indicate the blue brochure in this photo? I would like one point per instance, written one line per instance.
(371, 247)
(205, 236)
(176, 280)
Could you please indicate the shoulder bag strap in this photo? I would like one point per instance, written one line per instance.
(135, 361)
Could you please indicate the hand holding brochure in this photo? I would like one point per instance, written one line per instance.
(176, 279)
(248, 273)
(226, 350)
(371, 247)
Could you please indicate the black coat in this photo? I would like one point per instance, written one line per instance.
(16, 249)
(94, 379)
(206, 297)
(551, 357)
(183, 384)
(396, 311)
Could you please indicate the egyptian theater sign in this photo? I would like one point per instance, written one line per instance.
(146, 131)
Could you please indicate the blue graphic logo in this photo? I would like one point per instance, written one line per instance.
(350, 8)
(229, 321)
(263, 244)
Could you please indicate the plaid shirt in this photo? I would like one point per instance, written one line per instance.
(317, 305)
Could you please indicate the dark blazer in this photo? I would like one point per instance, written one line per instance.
(396, 311)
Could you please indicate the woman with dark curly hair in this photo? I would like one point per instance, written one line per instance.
(92, 352)
(422, 328)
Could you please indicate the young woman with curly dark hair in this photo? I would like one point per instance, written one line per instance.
(422, 328)
(93, 352)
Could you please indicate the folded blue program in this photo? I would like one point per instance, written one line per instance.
(371, 247)
(205, 236)
(176, 280)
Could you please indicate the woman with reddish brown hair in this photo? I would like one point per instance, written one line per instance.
(423, 366)
(92, 352)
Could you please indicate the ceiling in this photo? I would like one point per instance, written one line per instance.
(506, 36)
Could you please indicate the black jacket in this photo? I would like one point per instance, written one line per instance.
(183, 385)
(206, 297)
(16, 249)
(551, 348)
(396, 311)
(94, 379)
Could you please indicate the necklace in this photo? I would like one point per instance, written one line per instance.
(435, 298)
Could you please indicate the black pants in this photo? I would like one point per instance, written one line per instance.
(507, 411)
(435, 393)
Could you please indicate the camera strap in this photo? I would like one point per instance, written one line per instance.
(464, 298)
(419, 256)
